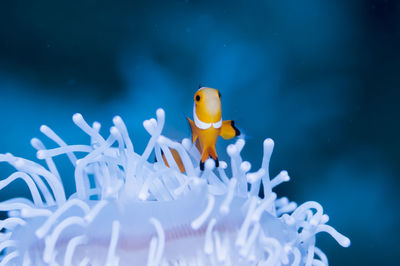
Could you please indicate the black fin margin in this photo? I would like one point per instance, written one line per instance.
(216, 162)
(237, 131)
(201, 166)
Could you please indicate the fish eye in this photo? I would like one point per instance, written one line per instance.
(197, 98)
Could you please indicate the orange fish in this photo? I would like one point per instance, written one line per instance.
(208, 124)
(206, 127)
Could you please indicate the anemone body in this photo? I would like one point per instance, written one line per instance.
(128, 211)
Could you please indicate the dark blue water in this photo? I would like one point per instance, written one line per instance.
(320, 78)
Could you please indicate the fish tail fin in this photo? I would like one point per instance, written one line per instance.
(192, 128)
(228, 130)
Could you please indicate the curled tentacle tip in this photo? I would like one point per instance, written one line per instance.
(285, 175)
(114, 131)
(284, 200)
(325, 218)
(289, 220)
(210, 164)
(240, 141)
(35, 142)
(146, 123)
(345, 242)
(41, 154)
(268, 142)
(117, 120)
(148, 126)
(160, 112)
(231, 149)
(77, 118)
(153, 122)
(161, 140)
(240, 144)
(44, 128)
(96, 125)
(223, 164)
(245, 166)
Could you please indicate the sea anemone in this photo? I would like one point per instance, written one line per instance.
(130, 211)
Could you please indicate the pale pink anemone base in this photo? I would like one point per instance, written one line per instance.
(129, 211)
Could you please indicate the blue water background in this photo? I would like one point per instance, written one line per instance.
(319, 77)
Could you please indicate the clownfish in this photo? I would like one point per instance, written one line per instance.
(207, 124)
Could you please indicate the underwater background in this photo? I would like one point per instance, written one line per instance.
(319, 77)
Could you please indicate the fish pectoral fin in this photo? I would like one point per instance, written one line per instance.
(228, 130)
(193, 129)
(198, 146)
(176, 157)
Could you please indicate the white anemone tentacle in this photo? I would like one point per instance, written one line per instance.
(211, 217)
